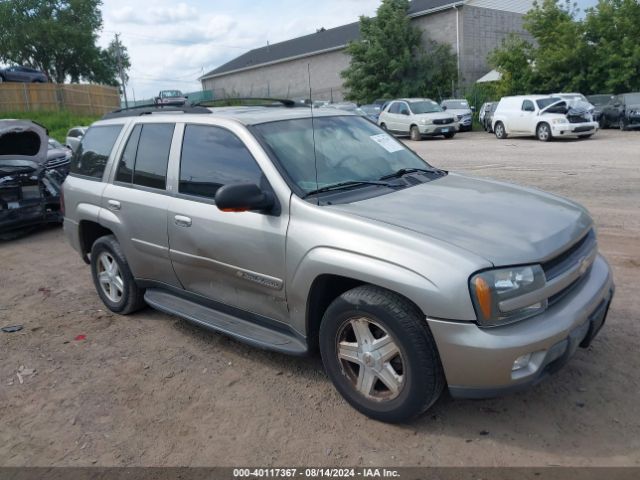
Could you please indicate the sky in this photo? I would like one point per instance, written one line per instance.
(171, 43)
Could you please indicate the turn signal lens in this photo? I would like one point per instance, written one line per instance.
(483, 294)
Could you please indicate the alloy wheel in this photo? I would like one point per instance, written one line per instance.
(370, 359)
(110, 277)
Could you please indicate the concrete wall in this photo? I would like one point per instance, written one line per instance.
(482, 31)
(287, 79)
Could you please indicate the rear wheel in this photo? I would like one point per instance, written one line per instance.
(500, 131)
(380, 355)
(543, 132)
(416, 136)
(621, 125)
(112, 277)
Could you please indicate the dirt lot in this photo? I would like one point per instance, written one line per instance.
(152, 390)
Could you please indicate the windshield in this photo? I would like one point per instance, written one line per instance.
(545, 102)
(599, 100)
(425, 106)
(172, 93)
(54, 144)
(348, 148)
(632, 98)
(456, 104)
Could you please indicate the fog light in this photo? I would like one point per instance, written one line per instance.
(521, 362)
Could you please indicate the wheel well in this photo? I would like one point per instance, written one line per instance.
(324, 290)
(89, 232)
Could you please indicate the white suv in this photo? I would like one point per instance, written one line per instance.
(418, 118)
(544, 116)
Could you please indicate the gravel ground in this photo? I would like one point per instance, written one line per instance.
(152, 390)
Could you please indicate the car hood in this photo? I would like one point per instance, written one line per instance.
(22, 140)
(458, 111)
(506, 224)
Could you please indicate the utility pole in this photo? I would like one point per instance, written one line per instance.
(121, 71)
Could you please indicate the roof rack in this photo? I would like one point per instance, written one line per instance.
(249, 102)
(151, 108)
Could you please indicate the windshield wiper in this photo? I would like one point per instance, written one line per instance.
(405, 171)
(343, 185)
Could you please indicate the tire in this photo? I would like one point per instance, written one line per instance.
(449, 135)
(621, 124)
(131, 298)
(1, 79)
(412, 364)
(543, 132)
(383, 126)
(415, 134)
(602, 123)
(585, 136)
(500, 131)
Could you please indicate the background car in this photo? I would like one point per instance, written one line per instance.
(418, 118)
(58, 155)
(74, 136)
(623, 111)
(372, 111)
(22, 74)
(599, 101)
(462, 110)
(171, 97)
(486, 115)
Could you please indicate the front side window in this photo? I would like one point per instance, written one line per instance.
(528, 106)
(93, 153)
(213, 157)
(394, 108)
(347, 148)
(152, 155)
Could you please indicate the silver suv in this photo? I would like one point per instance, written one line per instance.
(418, 118)
(297, 233)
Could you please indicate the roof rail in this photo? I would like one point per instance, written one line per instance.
(151, 108)
(250, 102)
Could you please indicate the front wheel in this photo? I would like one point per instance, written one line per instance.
(449, 135)
(112, 277)
(621, 125)
(383, 126)
(416, 136)
(585, 136)
(543, 132)
(379, 353)
(500, 131)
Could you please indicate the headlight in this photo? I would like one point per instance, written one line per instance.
(490, 288)
(426, 121)
(559, 120)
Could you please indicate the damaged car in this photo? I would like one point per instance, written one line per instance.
(31, 176)
(545, 117)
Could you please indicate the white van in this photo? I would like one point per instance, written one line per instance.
(543, 116)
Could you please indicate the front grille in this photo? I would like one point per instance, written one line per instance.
(443, 121)
(582, 129)
(56, 162)
(577, 118)
(568, 260)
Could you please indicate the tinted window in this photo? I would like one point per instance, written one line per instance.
(93, 153)
(153, 155)
(395, 108)
(528, 106)
(127, 161)
(213, 157)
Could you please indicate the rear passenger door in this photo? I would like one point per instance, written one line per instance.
(136, 202)
(234, 259)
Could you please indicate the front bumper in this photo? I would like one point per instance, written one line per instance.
(478, 361)
(431, 130)
(573, 129)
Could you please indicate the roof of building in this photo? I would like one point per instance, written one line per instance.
(319, 42)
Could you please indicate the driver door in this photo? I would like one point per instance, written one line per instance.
(235, 259)
(525, 121)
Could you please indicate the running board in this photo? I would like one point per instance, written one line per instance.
(243, 330)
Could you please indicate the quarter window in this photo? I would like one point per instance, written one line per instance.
(213, 157)
(93, 153)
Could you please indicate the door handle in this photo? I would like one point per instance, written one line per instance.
(113, 205)
(182, 221)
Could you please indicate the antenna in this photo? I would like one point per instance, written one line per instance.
(313, 127)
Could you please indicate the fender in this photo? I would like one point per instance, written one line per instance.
(332, 261)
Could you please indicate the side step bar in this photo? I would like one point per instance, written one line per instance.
(243, 330)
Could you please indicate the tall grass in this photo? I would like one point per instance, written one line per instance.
(58, 123)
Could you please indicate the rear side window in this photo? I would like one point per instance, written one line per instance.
(93, 153)
(128, 159)
(213, 157)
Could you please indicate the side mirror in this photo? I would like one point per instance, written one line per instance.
(243, 197)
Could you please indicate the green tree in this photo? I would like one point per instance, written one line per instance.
(513, 61)
(613, 38)
(390, 60)
(110, 61)
(56, 36)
